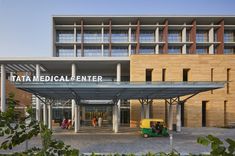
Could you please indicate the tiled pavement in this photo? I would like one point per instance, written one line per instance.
(102, 140)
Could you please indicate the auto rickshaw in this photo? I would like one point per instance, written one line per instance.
(153, 128)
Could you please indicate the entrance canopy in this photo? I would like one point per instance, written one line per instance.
(116, 90)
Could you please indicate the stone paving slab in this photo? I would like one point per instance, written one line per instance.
(132, 142)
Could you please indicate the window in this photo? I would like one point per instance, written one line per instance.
(64, 36)
(204, 113)
(147, 36)
(119, 36)
(225, 113)
(185, 74)
(202, 50)
(229, 50)
(229, 36)
(163, 74)
(147, 50)
(79, 37)
(133, 36)
(174, 36)
(92, 51)
(202, 36)
(174, 50)
(92, 36)
(148, 75)
(79, 53)
(119, 51)
(161, 36)
(228, 79)
(65, 52)
(106, 36)
(188, 36)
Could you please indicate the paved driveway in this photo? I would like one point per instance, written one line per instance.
(129, 140)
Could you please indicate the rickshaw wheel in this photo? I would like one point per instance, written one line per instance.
(146, 135)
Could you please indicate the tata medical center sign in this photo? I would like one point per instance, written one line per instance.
(56, 78)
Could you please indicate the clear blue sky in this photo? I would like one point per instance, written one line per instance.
(25, 25)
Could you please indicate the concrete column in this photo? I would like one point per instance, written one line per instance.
(157, 39)
(211, 39)
(3, 88)
(170, 117)
(77, 118)
(184, 36)
(102, 39)
(83, 113)
(50, 116)
(73, 73)
(38, 104)
(113, 117)
(147, 111)
(119, 101)
(142, 111)
(129, 39)
(178, 118)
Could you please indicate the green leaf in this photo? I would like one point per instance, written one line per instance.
(203, 141)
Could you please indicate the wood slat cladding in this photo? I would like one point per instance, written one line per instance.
(220, 37)
(193, 31)
(82, 37)
(165, 37)
(110, 37)
(137, 36)
(200, 70)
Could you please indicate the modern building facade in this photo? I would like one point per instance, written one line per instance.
(140, 49)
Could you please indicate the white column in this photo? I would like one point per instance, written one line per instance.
(170, 117)
(3, 88)
(147, 111)
(184, 34)
(75, 39)
(11, 76)
(211, 39)
(38, 104)
(77, 118)
(45, 114)
(73, 73)
(142, 111)
(102, 39)
(157, 39)
(50, 116)
(129, 39)
(178, 117)
(119, 101)
(116, 118)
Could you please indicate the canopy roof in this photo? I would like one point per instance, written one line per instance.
(116, 90)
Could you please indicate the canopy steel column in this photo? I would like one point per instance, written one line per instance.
(145, 107)
(73, 73)
(147, 110)
(115, 115)
(38, 106)
(170, 117)
(3, 88)
(119, 101)
(178, 117)
(77, 111)
(49, 116)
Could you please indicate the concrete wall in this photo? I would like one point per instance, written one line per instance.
(200, 70)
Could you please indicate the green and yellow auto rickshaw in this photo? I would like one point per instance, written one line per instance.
(153, 128)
